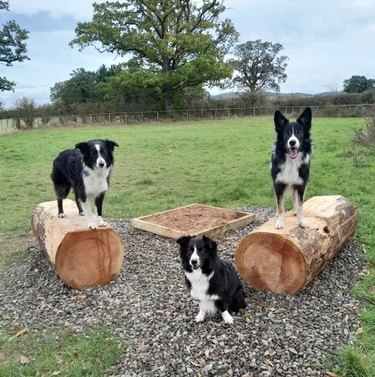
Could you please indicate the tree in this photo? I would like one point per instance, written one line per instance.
(358, 84)
(130, 88)
(258, 65)
(12, 46)
(25, 110)
(173, 44)
(81, 87)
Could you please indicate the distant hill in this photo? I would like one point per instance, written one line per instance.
(273, 95)
(230, 95)
(226, 95)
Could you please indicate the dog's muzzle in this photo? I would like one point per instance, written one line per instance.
(293, 147)
(194, 263)
(293, 153)
(101, 163)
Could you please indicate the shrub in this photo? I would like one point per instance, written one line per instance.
(366, 136)
(25, 110)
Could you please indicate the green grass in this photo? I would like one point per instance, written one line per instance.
(65, 354)
(223, 163)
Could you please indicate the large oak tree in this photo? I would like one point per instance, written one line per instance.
(171, 44)
(12, 46)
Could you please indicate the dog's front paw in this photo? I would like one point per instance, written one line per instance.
(227, 317)
(101, 222)
(200, 317)
(92, 225)
(61, 215)
(302, 223)
(279, 222)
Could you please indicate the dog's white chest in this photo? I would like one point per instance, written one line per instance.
(199, 285)
(289, 173)
(95, 181)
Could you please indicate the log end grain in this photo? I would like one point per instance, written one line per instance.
(82, 257)
(88, 258)
(269, 262)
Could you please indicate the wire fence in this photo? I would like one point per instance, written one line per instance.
(28, 122)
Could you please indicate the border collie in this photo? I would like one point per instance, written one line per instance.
(211, 281)
(290, 163)
(86, 169)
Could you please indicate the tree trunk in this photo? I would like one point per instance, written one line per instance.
(82, 257)
(168, 103)
(286, 260)
(167, 89)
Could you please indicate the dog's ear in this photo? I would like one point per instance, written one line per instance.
(280, 121)
(210, 244)
(111, 144)
(82, 147)
(305, 117)
(183, 241)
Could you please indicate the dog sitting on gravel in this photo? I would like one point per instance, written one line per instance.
(211, 281)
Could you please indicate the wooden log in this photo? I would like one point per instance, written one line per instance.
(286, 260)
(82, 257)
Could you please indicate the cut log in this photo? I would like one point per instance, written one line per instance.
(286, 260)
(82, 257)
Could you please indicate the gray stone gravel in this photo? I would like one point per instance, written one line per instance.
(148, 308)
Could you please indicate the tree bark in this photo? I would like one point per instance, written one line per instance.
(82, 257)
(168, 102)
(286, 260)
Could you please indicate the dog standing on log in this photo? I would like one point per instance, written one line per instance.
(210, 280)
(87, 170)
(290, 163)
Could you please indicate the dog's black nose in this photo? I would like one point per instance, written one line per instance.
(101, 164)
(292, 143)
(194, 262)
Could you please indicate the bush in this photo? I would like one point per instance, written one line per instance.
(25, 110)
(366, 136)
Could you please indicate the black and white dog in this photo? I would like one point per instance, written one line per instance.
(211, 281)
(86, 169)
(290, 163)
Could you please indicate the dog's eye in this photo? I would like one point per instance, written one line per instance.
(287, 135)
(200, 248)
(192, 249)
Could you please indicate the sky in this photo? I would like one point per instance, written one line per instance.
(326, 42)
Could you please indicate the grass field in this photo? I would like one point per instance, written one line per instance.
(223, 163)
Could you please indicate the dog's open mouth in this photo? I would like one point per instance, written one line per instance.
(293, 153)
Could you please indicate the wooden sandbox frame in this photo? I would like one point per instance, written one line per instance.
(192, 214)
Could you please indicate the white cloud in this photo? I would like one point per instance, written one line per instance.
(326, 42)
(78, 9)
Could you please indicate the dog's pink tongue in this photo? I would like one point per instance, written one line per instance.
(293, 153)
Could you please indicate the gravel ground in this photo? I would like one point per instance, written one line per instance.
(148, 307)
